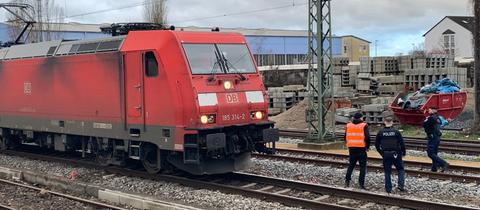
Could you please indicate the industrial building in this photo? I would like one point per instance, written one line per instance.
(271, 47)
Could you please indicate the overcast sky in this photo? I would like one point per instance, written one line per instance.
(396, 24)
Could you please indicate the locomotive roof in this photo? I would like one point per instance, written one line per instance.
(61, 47)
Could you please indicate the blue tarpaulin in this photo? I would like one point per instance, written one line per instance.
(443, 121)
(445, 85)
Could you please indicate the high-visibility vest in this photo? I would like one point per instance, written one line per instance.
(355, 135)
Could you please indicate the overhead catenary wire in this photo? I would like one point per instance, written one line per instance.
(105, 10)
(291, 5)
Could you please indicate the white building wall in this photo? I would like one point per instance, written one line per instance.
(463, 39)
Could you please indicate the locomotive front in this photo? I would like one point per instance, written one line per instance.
(231, 110)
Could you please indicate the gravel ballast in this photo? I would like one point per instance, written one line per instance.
(419, 188)
(24, 198)
(161, 190)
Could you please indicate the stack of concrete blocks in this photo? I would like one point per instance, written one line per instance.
(380, 66)
(340, 67)
(337, 81)
(345, 76)
(343, 92)
(417, 78)
(360, 101)
(412, 62)
(344, 115)
(390, 85)
(353, 74)
(364, 83)
(349, 75)
(365, 63)
(281, 99)
(382, 100)
(299, 91)
(439, 61)
(373, 113)
(426, 62)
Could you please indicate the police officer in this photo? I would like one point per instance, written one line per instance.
(389, 143)
(357, 137)
(432, 129)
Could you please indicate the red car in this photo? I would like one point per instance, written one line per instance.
(191, 100)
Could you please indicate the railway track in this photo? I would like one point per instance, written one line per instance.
(4, 207)
(291, 193)
(448, 145)
(338, 160)
(87, 203)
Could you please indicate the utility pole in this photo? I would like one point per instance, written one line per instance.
(320, 73)
(476, 50)
(376, 43)
(40, 21)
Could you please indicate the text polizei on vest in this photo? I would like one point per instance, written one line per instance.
(388, 133)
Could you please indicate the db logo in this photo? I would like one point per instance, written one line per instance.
(231, 98)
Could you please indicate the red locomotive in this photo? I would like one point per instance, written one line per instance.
(192, 100)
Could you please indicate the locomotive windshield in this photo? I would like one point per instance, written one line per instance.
(219, 58)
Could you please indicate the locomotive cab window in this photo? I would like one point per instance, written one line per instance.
(151, 65)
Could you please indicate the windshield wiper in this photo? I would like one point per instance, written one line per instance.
(227, 62)
(212, 72)
(217, 62)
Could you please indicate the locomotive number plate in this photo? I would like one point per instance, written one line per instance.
(231, 98)
(233, 117)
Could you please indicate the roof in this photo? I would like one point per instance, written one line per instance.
(464, 21)
(356, 37)
(95, 28)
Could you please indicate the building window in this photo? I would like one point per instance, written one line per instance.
(446, 41)
(344, 49)
(449, 43)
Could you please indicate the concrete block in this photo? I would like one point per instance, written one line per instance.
(293, 88)
(374, 108)
(342, 119)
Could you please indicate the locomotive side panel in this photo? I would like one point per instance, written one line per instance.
(72, 94)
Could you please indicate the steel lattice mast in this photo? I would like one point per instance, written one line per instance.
(320, 77)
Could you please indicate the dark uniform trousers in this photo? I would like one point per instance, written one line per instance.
(393, 158)
(432, 152)
(357, 155)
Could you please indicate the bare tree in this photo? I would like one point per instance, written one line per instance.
(156, 12)
(48, 16)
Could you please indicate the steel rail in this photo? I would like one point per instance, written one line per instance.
(362, 195)
(374, 159)
(3, 207)
(195, 182)
(302, 133)
(70, 197)
(419, 173)
(199, 182)
(454, 146)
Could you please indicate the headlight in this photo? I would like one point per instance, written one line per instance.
(208, 119)
(257, 115)
(227, 85)
(204, 119)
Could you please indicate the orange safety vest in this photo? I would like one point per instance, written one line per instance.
(355, 135)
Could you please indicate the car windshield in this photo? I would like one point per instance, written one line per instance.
(219, 58)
